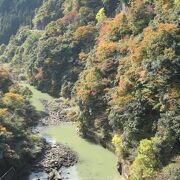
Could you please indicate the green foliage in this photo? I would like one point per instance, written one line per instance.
(139, 16)
(172, 171)
(85, 35)
(5, 80)
(110, 6)
(167, 11)
(15, 13)
(86, 15)
(177, 2)
(145, 163)
(121, 69)
(16, 116)
(49, 11)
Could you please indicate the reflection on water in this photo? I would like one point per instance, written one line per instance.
(49, 139)
(39, 175)
(69, 173)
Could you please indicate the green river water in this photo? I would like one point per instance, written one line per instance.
(94, 161)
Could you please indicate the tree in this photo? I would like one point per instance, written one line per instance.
(13, 100)
(144, 165)
(15, 13)
(100, 15)
(85, 35)
(139, 16)
(117, 142)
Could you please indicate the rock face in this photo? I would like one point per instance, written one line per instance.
(124, 169)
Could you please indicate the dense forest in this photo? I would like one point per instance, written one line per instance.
(13, 14)
(118, 60)
(18, 145)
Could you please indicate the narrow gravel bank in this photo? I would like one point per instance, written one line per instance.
(53, 156)
(56, 112)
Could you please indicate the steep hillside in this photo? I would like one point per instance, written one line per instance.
(120, 62)
(13, 14)
(17, 144)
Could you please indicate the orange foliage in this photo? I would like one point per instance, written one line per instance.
(142, 75)
(84, 32)
(174, 92)
(3, 111)
(106, 49)
(89, 84)
(122, 85)
(13, 99)
(149, 34)
(133, 50)
(119, 101)
(83, 56)
(107, 30)
(69, 18)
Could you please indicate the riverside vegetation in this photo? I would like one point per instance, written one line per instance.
(18, 145)
(117, 62)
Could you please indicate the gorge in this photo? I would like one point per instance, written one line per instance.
(94, 84)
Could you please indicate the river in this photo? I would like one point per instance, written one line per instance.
(94, 161)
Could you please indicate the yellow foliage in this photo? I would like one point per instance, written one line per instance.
(145, 162)
(3, 111)
(83, 56)
(33, 137)
(177, 2)
(13, 99)
(116, 141)
(170, 53)
(174, 92)
(165, 4)
(100, 15)
(84, 32)
(106, 49)
(2, 129)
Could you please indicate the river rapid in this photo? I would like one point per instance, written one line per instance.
(94, 161)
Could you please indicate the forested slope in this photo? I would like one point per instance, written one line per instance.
(13, 14)
(17, 144)
(119, 61)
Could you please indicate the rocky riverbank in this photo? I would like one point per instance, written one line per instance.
(52, 159)
(56, 112)
(54, 156)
